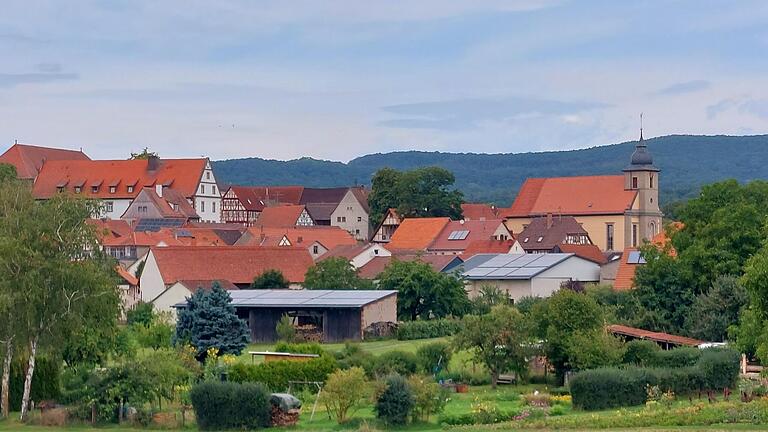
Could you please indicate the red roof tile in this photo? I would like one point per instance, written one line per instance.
(589, 252)
(28, 159)
(374, 267)
(329, 236)
(237, 264)
(255, 198)
(477, 230)
(280, 216)
(625, 274)
(127, 277)
(346, 251)
(207, 285)
(472, 211)
(417, 233)
(183, 175)
(572, 196)
(653, 336)
(487, 247)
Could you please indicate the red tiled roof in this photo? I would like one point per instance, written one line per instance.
(106, 228)
(280, 216)
(572, 196)
(473, 211)
(127, 277)
(662, 239)
(255, 198)
(589, 252)
(328, 236)
(625, 274)
(374, 267)
(237, 264)
(28, 159)
(207, 285)
(346, 251)
(487, 247)
(478, 230)
(183, 175)
(552, 232)
(653, 336)
(417, 233)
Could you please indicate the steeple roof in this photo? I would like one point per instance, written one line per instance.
(641, 158)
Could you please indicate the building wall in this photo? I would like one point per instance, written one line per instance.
(119, 206)
(164, 302)
(134, 212)
(515, 289)
(151, 280)
(207, 199)
(608, 272)
(595, 225)
(351, 216)
(368, 254)
(384, 310)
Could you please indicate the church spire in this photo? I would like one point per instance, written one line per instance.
(641, 127)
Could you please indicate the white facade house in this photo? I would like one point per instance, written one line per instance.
(207, 199)
(527, 275)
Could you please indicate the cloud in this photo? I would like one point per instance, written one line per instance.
(743, 105)
(684, 87)
(13, 80)
(470, 113)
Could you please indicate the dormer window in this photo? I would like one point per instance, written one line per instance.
(112, 189)
(78, 189)
(538, 240)
(94, 189)
(60, 189)
(525, 240)
(130, 189)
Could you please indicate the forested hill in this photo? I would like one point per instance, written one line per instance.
(686, 162)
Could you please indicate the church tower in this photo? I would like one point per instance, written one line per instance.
(643, 221)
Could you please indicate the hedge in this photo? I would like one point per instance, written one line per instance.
(227, 405)
(675, 358)
(409, 330)
(603, 388)
(46, 382)
(276, 374)
(300, 348)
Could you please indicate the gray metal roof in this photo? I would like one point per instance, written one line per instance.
(511, 266)
(281, 298)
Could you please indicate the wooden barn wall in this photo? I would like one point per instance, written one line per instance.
(338, 324)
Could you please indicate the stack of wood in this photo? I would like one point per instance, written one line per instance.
(309, 333)
(284, 418)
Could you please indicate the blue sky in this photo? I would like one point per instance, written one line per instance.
(338, 79)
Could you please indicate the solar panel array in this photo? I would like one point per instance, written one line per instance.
(155, 224)
(458, 235)
(635, 258)
(307, 298)
(514, 266)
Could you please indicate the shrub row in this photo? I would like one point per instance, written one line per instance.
(715, 369)
(45, 382)
(410, 330)
(227, 405)
(300, 348)
(276, 374)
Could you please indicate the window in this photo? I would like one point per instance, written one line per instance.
(202, 188)
(77, 189)
(634, 182)
(359, 218)
(202, 206)
(653, 228)
(375, 251)
(207, 175)
(343, 218)
(538, 240)
(109, 206)
(130, 189)
(214, 189)
(142, 209)
(315, 249)
(609, 236)
(213, 204)
(357, 232)
(526, 240)
(651, 181)
(338, 218)
(634, 235)
(112, 189)
(60, 189)
(94, 189)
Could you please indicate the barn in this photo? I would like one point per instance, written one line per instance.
(339, 314)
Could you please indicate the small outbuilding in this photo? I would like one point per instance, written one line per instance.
(338, 315)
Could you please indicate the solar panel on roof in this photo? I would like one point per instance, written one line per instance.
(499, 261)
(155, 224)
(635, 258)
(478, 272)
(546, 260)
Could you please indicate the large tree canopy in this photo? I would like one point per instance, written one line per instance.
(270, 279)
(422, 192)
(335, 273)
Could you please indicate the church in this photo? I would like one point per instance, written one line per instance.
(618, 211)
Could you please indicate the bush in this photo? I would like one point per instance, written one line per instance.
(640, 352)
(344, 391)
(276, 374)
(301, 348)
(353, 355)
(396, 402)
(398, 362)
(410, 330)
(227, 405)
(285, 330)
(605, 388)
(434, 356)
(46, 382)
(141, 314)
(429, 397)
(675, 358)
(719, 368)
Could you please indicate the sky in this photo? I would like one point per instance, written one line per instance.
(337, 79)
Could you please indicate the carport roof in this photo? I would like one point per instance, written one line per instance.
(282, 298)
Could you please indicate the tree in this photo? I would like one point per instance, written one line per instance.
(712, 313)
(210, 321)
(422, 192)
(7, 172)
(663, 291)
(343, 392)
(144, 154)
(749, 335)
(594, 349)
(141, 314)
(501, 340)
(488, 297)
(335, 273)
(423, 292)
(566, 314)
(270, 279)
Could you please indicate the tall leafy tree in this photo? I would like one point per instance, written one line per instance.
(500, 340)
(712, 313)
(422, 192)
(210, 321)
(334, 273)
(270, 279)
(423, 292)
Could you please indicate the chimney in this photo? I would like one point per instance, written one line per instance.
(159, 190)
(549, 220)
(153, 163)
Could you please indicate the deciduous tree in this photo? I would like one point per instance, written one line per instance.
(422, 192)
(270, 279)
(334, 273)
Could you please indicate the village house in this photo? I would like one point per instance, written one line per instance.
(130, 293)
(359, 254)
(29, 159)
(544, 234)
(118, 182)
(165, 266)
(160, 203)
(345, 207)
(456, 236)
(527, 275)
(439, 263)
(417, 234)
(184, 289)
(479, 212)
(387, 227)
(617, 211)
(316, 239)
(492, 246)
(284, 216)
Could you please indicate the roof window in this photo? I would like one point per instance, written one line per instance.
(538, 240)
(458, 235)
